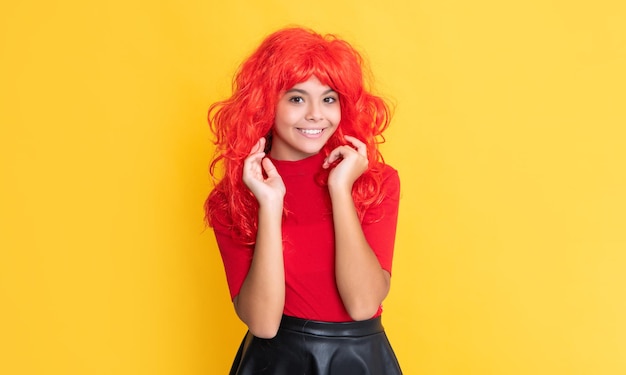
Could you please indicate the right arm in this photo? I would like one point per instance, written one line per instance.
(261, 299)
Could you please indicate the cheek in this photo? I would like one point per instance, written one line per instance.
(286, 116)
(279, 119)
(337, 116)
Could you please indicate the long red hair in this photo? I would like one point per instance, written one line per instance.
(285, 58)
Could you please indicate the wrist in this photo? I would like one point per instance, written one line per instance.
(271, 207)
(340, 191)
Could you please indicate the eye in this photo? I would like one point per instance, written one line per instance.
(296, 99)
(330, 99)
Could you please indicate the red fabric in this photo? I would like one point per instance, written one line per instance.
(308, 242)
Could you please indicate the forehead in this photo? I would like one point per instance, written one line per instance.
(312, 84)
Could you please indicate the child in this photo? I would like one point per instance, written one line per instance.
(305, 214)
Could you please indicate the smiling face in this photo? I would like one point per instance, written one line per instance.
(307, 115)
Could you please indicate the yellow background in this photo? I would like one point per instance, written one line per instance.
(508, 135)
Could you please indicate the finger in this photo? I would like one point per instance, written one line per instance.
(253, 162)
(255, 156)
(333, 156)
(269, 168)
(256, 153)
(360, 146)
(258, 146)
(336, 154)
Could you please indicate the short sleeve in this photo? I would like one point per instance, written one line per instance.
(380, 222)
(236, 257)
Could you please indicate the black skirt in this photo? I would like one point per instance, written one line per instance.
(318, 348)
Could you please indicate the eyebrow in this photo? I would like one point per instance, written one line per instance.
(304, 92)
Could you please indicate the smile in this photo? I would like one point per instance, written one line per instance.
(310, 131)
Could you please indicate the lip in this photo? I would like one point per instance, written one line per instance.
(303, 132)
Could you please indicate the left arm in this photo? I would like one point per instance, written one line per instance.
(363, 284)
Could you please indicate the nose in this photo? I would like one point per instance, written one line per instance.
(314, 112)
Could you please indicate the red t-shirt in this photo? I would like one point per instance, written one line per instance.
(308, 241)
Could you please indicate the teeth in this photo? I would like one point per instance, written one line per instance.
(311, 131)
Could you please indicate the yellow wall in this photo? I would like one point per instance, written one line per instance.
(508, 135)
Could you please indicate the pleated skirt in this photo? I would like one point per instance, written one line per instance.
(318, 348)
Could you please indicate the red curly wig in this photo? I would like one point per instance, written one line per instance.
(285, 58)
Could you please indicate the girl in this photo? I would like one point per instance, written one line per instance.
(305, 214)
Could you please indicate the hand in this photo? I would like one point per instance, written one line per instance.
(266, 189)
(352, 163)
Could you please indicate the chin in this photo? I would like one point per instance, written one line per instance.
(312, 151)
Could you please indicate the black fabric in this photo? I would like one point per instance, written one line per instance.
(319, 348)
